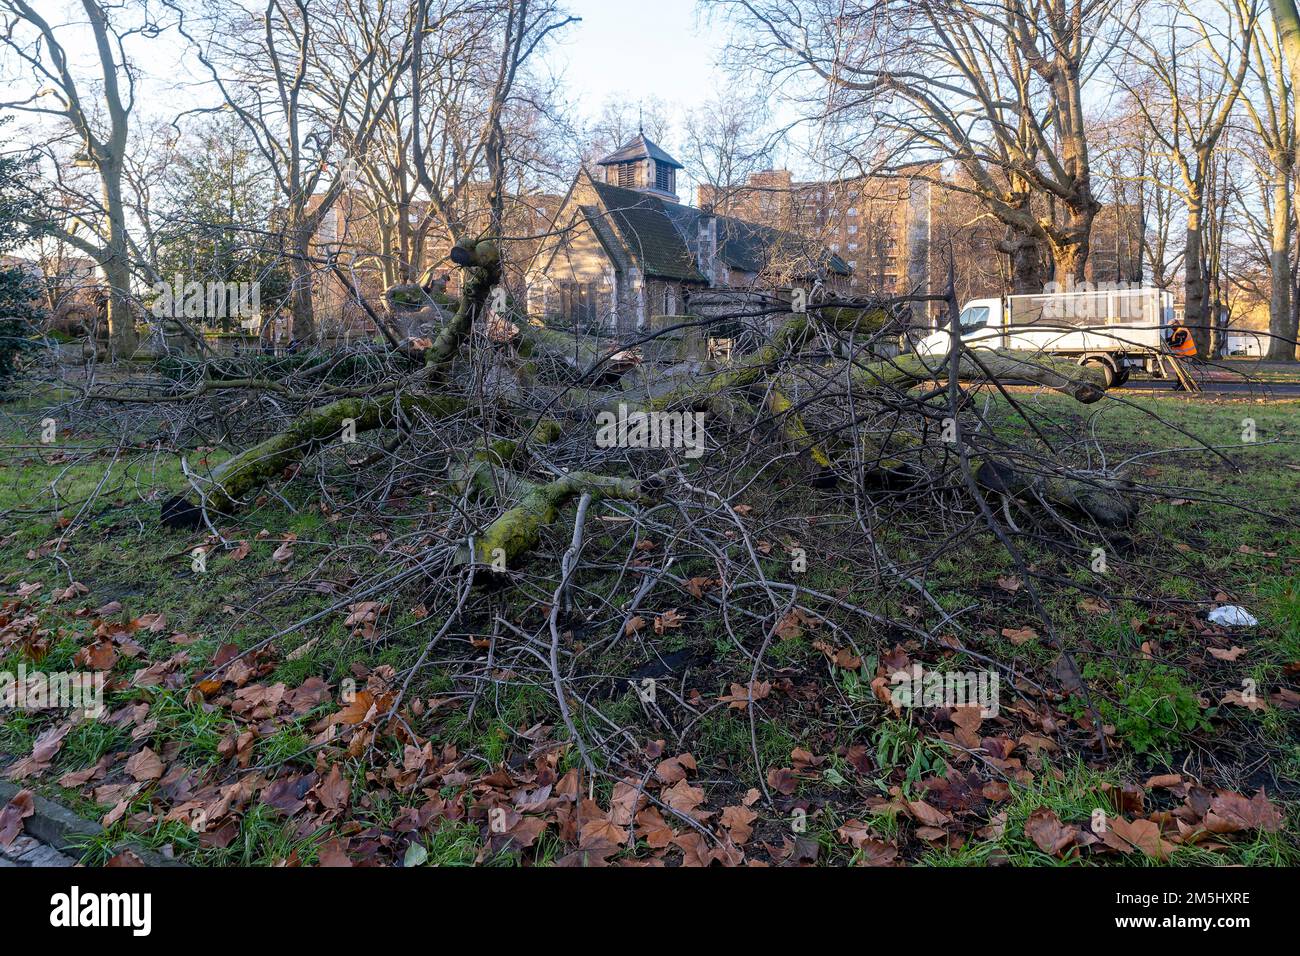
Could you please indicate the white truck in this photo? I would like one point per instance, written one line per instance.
(1120, 330)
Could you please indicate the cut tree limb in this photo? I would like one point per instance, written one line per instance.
(252, 468)
(1105, 500)
(481, 264)
(1083, 383)
(519, 530)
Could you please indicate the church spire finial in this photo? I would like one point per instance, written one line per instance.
(640, 120)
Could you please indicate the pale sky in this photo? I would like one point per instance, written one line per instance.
(628, 51)
(642, 51)
(639, 49)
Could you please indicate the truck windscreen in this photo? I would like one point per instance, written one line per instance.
(975, 317)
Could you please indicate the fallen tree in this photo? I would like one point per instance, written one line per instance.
(764, 379)
(831, 495)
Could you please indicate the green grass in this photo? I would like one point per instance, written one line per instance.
(1074, 795)
(118, 550)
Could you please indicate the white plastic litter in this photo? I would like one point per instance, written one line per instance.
(1232, 616)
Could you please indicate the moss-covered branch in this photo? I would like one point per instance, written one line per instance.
(1084, 383)
(481, 267)
(792, 426)
(1106, 501)
(519, 529)
(252, 468)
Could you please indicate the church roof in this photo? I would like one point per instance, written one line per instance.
(639, 147)
(649, 233)
(748, 246)
(654, 231)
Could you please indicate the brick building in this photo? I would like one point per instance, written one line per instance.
(878, 226)
(624, 249)
(897, 235)
(73, 293)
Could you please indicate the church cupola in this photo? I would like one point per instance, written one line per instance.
(643, 166)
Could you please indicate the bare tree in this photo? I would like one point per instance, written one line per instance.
(1269, 102)
(466, 138)
(725, 143)
(1287, 19)
(619, 120)
(996, 85)
(1135, 172)
(97, 111)
(1195, 63)
(309, 84)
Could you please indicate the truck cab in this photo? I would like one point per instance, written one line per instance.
(980, 323)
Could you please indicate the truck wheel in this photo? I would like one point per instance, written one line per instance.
(1108, 370)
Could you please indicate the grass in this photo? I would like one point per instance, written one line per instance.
(1075, 792)
(1158, 710)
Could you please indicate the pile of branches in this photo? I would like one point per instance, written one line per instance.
(552, 548)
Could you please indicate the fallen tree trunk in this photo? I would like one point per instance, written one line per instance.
(481, 265)
(537, 504)
(252, 468)
(1083, 383)
(793, 428)
(315, 427)
(1105, 500)
(518, 530)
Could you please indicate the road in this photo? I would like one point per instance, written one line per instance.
(1254, 389)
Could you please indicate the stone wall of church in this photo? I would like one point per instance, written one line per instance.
(664, 298)
(580, 287)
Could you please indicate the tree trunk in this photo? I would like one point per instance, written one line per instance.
(1288, 23)
(1026, 262)
(117, 270)
(1194, 315)
(1281, 320)
(1071, 242)
(1068, 262)
(300, 299)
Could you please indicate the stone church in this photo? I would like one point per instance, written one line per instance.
(624, 249)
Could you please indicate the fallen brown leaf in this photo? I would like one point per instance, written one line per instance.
(1047, 831)
(12, 816)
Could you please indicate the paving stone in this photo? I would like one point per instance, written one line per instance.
(22, 844)
(42, 855)
(53, 826)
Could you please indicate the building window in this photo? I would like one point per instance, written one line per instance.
(720, 350)
(627, 175)
(670, 302)
(664, 178)
(853, 247)
(853, 212)
(853, 230)
(578, 304)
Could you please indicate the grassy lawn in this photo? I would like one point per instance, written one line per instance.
(1260, 369)
(71, 512)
